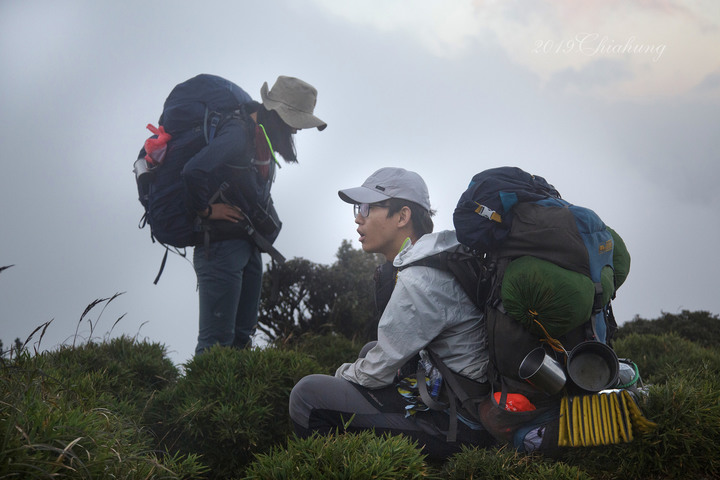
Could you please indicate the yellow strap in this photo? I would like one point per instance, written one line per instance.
(586, 421)
(607, 424)
(626, 415)
(597, 421)
(617, 428)
(639, 421)
(589, 413)
(564, 425)
(577, 438)
(554, 343)
(619, 419)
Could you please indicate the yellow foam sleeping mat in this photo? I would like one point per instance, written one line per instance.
(600, 419)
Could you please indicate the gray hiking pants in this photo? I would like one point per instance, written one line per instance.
(325, 404)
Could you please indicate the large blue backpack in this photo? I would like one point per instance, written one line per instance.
(521, 246)
(520, 227)
(510, 214)
(194, 111)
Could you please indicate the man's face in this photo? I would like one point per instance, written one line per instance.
(378, 232)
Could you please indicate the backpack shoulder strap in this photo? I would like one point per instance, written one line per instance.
(469, 270)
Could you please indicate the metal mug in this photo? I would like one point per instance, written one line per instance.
(542, 371)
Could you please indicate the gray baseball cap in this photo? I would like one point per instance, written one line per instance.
(389, 182)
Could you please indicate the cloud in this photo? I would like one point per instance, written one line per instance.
(652, 37)
(601, 73)
(711, 83)
(442, 28)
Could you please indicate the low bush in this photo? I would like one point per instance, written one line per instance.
(121, 409)
(330, 351)
(229, 405)
(50, 428)
(346, 456)
(700, 326)
(659, 357)
(507, 464)
(120, 374)
(684, 444)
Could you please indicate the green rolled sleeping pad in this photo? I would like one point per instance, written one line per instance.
(560, 299)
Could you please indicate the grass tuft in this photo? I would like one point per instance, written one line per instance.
(346, 456)
(229, 405)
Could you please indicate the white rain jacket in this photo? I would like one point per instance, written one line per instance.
(428, 308)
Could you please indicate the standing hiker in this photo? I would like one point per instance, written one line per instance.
(204, 180)
(428, 309)
(229, 268)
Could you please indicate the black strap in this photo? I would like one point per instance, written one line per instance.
(503, 393)
(438, 406)
(214, 118)
(598, 299)
(468, 394)
(164, 260)
(162, 266)
(453, 425)
(205, 228)
(424, 394)
(247, 225)
(468, 270)
(261, 242)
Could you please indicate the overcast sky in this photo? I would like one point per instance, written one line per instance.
(614, 102)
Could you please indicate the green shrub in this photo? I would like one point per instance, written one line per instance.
(347, 456)
(661, 356)
(50, 429)
(506, 464)
(700, 327)
(330, 351)
(684, 445)
(120, 374)
(229, 405)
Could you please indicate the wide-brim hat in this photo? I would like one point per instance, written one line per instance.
(389, 182)
(294, 100)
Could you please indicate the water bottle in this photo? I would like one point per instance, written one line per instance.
(627, 373)
(143, 174)
(432, 373)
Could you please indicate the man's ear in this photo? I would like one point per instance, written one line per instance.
(404, 217)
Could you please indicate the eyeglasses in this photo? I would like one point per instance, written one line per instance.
(364, 208)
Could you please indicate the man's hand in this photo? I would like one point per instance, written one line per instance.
(223, 211)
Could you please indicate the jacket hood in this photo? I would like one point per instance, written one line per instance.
(428, 245)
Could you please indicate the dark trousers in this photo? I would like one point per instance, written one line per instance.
(325, 404)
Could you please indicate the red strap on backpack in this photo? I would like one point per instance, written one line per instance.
(155, 148)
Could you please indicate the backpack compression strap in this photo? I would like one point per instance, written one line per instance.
(164, 259)
(433, 404)
(259, 240)
(466, 391)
